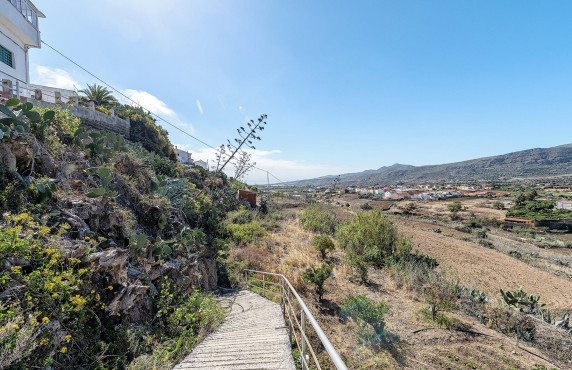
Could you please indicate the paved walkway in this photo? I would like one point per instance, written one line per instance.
(253, 336)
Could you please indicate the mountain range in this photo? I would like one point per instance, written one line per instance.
(531, 163)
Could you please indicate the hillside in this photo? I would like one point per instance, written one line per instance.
(107, 249)
(523, 164)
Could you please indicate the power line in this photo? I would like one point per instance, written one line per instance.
(138, 104)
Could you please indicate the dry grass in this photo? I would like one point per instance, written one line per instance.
(413, 343)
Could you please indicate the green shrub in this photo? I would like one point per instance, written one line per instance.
(454, 216)
(246, 233)
(440, 298)
(371, 235)
(319, 219)
(366, 207)
(366, 311)
(144, 130)
(498, 204)
(159, 163)
(318, 277)
(240, 216)
(455, 206)
(323, 243)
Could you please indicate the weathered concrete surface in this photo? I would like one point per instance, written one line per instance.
(95, 119)
(253, 336)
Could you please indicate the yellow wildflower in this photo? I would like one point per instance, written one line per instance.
(16, 326)
(110, 287)
(29, 298)
(16, 269)
(64, 349)
(44, 341)
(45, 320)
(67, 338)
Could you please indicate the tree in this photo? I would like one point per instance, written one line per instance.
(455, 206)
(520, 199)
(101, 95)
(323, 243)
(318, 277)
(366, 311)
(498, 204)
(439, 298)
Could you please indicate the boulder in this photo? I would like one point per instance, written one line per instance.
(113, 262)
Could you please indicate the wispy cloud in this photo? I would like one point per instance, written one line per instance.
(53, 77)
(200, 107)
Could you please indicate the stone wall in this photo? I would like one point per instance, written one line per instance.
(92, 118)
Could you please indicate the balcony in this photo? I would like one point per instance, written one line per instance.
(28, 10)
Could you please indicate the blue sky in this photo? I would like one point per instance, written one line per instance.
(347, 86)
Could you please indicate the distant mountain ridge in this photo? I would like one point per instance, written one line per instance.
(522, 164)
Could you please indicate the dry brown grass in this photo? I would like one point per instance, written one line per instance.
(291, 253)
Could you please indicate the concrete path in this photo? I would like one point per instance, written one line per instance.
(253, 336)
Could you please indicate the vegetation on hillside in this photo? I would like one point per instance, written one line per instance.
(107, 248)
(528, 207)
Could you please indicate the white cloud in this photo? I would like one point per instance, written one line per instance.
(200, 107)
(155, 105)
(53, 77)
(149, 102)
(285, 170)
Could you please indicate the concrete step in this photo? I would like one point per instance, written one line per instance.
(253, 336)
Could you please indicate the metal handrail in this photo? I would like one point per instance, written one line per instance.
(285, 302)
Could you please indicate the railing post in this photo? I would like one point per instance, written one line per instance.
(18, 89)
(290, 324)
(282, 296)
(246, 278)
(264, 285)
(303, 329)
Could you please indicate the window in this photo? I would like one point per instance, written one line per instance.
(6, 56)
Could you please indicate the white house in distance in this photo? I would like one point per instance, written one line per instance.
(564, 204)
(200, 163)
(184, 156)
(18, 33)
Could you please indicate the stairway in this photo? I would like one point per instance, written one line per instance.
(253, 336)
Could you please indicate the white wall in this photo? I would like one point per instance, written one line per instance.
(17, 35)
(11, 19)
(10, 42)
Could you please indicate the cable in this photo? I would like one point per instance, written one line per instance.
(138, 104)
(126, 97)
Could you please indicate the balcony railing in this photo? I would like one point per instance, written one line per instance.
(27, 11)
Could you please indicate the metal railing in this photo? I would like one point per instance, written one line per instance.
(27, 11)
(278, 285)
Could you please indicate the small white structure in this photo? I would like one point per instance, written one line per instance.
(19, 32)
(564, 204)
(184, 156)
(54, 95)
(200, 163)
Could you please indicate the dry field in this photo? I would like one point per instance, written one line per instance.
(414, 342)
(481, 207)
(489, 270)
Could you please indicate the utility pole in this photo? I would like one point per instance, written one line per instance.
(267, 187)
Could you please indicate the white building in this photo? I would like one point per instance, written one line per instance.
(200, 163)
(564, 204)
(184, 157)
(19, 32)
